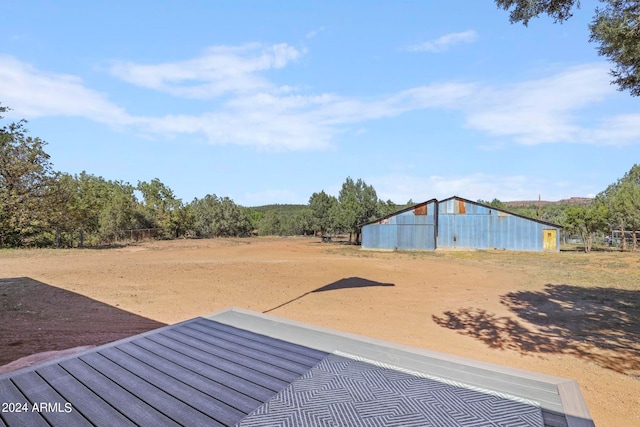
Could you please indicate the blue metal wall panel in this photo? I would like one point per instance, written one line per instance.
(484, 228)
(515, 233)
(379, 236)
(446, 207)
(416, 237)
(371, 236)
(478, 227)
(405, 230)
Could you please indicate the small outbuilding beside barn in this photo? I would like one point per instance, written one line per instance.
(458, 223)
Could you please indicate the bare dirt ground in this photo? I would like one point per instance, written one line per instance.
(569, 314)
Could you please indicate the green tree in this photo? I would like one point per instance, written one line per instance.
(627, 202)
(304, 222)
(203, 215)
(586, 221)
(255, 217)
(528, 211)
(358, 203)
(162, 207)
(387, 208)
(118, 212)
(524, 10)
(97, 208)
(219, 217)
(271, 223)
(616, 28)
(60, 219)
(26, 180)
(554, 213)
(622, 199)
(321, 204)
(90, 196)
(232, 220)
(495, 203)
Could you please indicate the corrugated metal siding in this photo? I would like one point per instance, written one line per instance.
(461, 224)
(487, 229)
(446, 207)
(515, 233)
(407, 231)
(379, 236)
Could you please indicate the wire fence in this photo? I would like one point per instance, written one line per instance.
(137, 235)
(613, 239)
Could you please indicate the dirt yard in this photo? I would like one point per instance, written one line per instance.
(569, 314)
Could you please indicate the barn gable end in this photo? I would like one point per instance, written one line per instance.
(410, 229)
(459, 223)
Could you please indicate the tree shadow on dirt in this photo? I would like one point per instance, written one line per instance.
(598, 324)
(347, 283)
(36, 317)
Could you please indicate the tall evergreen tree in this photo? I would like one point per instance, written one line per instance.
(358, 203)
(321, 204)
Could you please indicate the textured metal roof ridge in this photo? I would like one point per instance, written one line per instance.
(373, 221)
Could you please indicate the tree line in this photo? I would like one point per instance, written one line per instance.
(614, 211)
(43, 207)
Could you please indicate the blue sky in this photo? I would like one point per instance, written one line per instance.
(271, 101)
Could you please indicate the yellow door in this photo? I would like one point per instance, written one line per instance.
(549, 240)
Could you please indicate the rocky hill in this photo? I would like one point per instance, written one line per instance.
(570, 201)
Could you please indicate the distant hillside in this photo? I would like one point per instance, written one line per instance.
(570, 201)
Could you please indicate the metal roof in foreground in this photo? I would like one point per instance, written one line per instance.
(237, 367)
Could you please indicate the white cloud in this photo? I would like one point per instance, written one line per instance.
(276, 120)
(257, 113)
(314, 33)
(445, 42)
(545, 110)
(219, 70)
(33, 93)
(620, 130)
(258, 128)
(298, 122)
(402, 187)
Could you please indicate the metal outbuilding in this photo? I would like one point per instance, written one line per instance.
(459, 223)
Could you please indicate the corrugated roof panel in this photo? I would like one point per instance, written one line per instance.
(234, 367)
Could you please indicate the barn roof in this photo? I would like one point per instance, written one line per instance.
(502, 210)
(237, 367)
(464, 200)
(407, 209)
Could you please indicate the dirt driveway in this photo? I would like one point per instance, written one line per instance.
(567, 314)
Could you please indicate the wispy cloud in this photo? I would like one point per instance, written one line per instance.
(617, 131)
(298, 122)
(219, 70)
(314, 33)
(402, 187)
(544, 110)
(445, 42)
(255, 112)
(34, 93)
